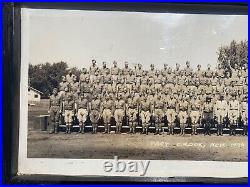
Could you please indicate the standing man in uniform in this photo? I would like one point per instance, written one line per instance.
(145, 113)
(92, 70)
(221, 109)
(132, 110)
(158, 114)
(119, 113)
(55, 108)
(62, 86)
(82, 112)
(234, 111)
(244, 115)
(107, 112)
(68, 110)
(171, 114)
(195, 114)
(95, 106)
(207, 116)
(183, 114)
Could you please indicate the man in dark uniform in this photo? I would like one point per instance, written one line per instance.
(207, 116)
(55, 109)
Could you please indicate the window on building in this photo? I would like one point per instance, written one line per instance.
(36, 96)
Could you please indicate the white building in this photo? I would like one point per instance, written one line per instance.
(34, 95)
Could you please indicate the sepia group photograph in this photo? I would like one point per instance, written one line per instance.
(165, 93)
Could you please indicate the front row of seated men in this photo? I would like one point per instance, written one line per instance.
(70, 109)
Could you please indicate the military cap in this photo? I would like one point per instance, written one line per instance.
(152, 65)
(198, 65)
(165, 65)
(93, 61)
(187, 63)
(177, 65)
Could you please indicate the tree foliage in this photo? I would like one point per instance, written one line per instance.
(233, 55)
(45, 77)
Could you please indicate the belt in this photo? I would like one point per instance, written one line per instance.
(54, 105)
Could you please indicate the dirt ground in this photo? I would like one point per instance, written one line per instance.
(137, 146)
(41, 144)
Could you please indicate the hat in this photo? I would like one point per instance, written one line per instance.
(93, 61)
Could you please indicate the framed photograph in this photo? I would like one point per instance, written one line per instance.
(126, 92)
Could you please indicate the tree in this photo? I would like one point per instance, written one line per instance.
(45, 77)
(235, 54)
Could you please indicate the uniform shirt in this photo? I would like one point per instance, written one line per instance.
(151, 72)
(70, 78)
(171, 104)
(183, 105)
(104, 71)
(114, 71)
(244, 106)
(86, 87)
(63, 85)
(119, 104)
(146, 105)
(68, 104)
(209, 73)
(221, 105)
(195, 105)
(188, 71)
(95, 104)
(83, 77)
(75, 87)
(138, 72)
(93, 69)
(234, 105)
(107, 104)
(55, 100)
(208, 107)
(132, 104)
(126, 71)
(159, 103)
(83, 103)
(220, 73)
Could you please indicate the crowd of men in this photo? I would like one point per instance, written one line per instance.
(136, 97)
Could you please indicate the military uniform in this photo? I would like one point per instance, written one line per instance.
(207, 116)
(145, 113)
(158, 113)
(70, 77)
(171, 114)
(107, 113)
(62, 86)
(195, 114)
(183, 108)
(119, 113)
(82, 112)
(233, 113)
(132, 111)
(221, 109)
(93, 70)
(54, 111)
(244, 115)
(95, 115)
(68, 110)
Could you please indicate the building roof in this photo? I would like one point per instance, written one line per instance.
(35, 90)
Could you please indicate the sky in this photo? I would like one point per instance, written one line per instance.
(77, 37)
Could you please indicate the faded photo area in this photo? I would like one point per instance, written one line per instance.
(151, 86)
